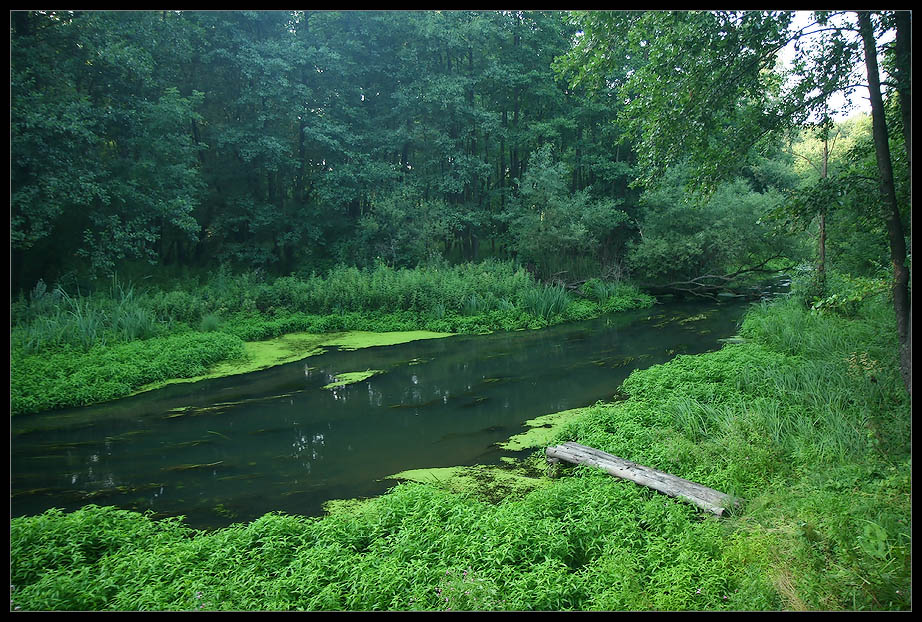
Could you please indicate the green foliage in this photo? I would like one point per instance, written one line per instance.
(401, 230)
(848, 197)
(615, 296)
(283, 140)
(626, 297)
(849, 293)
(701, 89)
(704, 87)
(599, 290)
(56, 319)
(343, 149)
(103, 165)
(549, 222)
(546, 303)
(209, 323)
(177, 306)
(67, 376)
(682, 239)
(58, 541)
(71, 350)
(813, 431)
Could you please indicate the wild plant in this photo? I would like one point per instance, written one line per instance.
(598, 290)
(467, 590)
(546, 302)
(210, 322)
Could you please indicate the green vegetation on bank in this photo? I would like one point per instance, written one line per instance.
(69, 350)
(323, 168)
(807, 420)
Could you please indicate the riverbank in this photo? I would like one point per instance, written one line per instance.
(68, 351)
(806, 420)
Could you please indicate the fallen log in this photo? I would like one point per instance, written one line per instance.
(717, 286)
(705, 498)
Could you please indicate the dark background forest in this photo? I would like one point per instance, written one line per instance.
(294, 141)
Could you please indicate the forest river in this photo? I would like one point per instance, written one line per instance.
(232, 449)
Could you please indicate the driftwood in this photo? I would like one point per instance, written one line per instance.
(705, 498)
(715, 285)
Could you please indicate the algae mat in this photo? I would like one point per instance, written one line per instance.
(350, 377)
(496, 482)
(490, 482)
(296, 346)
(541, 430)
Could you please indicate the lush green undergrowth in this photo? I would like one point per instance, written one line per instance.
(807, 421)
(69, 350)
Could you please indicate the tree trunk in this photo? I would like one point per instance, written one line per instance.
(904, 80)
(900, 286)
(821, 265)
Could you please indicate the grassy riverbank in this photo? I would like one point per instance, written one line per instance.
(807, 420)
(68, 350)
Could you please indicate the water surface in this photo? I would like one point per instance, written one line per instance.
(231, 449)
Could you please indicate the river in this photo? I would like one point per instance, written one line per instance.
(232, 449)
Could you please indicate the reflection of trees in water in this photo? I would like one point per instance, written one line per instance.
(306, 444)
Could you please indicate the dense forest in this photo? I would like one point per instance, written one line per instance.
(186, 183)
(288, 141)
(296, 140)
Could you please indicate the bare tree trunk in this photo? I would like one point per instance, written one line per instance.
(705, 498)
(904, 79)
(821, 265)
(900, 286)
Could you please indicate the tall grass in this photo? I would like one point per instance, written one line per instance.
(547, 302)
(121, 312)
(387, 289)
(57, 318)
(470, 298)
(814, 437)
(599, 290)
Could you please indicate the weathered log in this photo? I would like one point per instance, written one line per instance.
(705, 498)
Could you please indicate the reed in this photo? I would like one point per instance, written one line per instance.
(546, 302)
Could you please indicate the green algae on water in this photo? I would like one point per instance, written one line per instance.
(541, 430)
(293, 347)
(351, 377)
(492, 483)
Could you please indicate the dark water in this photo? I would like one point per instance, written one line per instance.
(232, 449)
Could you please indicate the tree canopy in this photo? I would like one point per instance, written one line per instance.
(293, 141)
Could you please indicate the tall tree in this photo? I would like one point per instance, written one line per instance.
(704, 88)
(102, 162)
(897, 239)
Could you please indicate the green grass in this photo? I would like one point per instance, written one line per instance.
(546, 302)
(813, 432)
(69, 377)
(71, 350)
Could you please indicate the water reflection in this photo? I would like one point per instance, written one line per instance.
(235, 448)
